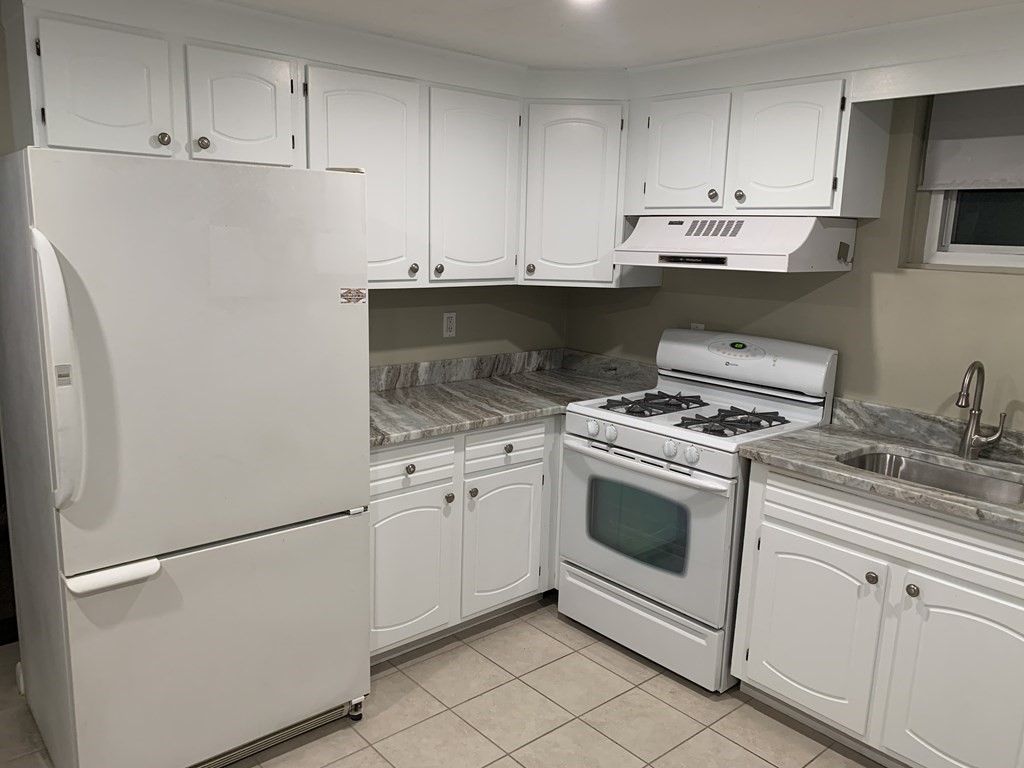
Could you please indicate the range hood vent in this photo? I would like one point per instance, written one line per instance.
(750, 243)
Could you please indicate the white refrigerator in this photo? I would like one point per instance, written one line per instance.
(184, 411)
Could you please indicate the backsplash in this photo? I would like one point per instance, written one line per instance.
(939, 432)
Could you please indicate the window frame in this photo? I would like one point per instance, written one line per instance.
(940, 251)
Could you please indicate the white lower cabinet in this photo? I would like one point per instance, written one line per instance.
(901, 632)
(413, 554)
(501, 537)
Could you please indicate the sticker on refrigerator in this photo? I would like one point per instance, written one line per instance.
(353, 295)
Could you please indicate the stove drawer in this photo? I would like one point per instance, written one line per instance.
(505, 447)
(407, 466)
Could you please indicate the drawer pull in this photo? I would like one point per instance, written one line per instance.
(410, 469)
(449, 497)
(474, 492)
(509, 448)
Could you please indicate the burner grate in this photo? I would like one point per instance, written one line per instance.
(654, 404)
(729, 422)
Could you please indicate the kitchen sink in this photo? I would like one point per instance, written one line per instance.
(946, 473)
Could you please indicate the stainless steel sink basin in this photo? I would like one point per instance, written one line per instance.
(945, 473)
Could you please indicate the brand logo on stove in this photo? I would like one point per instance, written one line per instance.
(734, 365)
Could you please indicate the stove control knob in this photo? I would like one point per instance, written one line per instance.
(691, 454)
(671, 448)
(611, 433)
(593, 428)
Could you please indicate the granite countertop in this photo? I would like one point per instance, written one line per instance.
(432, 410)
(813, 452)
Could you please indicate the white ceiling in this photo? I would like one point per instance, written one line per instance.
(608, 33)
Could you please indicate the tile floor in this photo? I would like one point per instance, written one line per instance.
(529, 690)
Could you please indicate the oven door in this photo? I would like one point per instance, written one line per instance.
(656, 531)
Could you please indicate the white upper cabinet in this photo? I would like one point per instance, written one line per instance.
(686, 152)
(363, 121)
(784, 146)
(240, 107)
(572, 191)
(816, 619)
(502, 537)
(957, 692)
(474, 186)
(105, 90)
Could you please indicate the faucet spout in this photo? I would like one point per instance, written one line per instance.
(974, 369)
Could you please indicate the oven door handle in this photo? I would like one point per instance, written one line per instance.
(579, 446)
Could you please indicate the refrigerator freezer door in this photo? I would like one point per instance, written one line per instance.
(223, 645)
(220, 323)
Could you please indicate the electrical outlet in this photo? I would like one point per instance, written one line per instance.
(448, 325)
(696, 326)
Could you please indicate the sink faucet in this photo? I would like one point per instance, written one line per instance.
(973, 442)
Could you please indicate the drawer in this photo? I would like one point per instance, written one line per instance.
(505, 447)
(411, 465)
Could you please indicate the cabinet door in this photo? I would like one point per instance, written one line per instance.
(572, 182)
(104, 89)
(501, 538)
(474, 186)
(956, 696)
(363, 121)
(816, 624)
(412, 542)
(239, 107)
(686, 152)
(784, 146)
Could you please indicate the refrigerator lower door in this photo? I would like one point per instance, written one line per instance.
(219, 646)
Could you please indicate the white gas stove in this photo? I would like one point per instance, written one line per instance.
(653, 491)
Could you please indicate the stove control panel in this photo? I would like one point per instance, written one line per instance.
(671, 448)
(691, 454)
(593, 428)
(740, 350)
(611, 433)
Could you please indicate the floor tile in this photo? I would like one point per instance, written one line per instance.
(41, 760)
(315, 749)
(364, 758)
(576, 683)
(18, 733)
(690, 699)
(444, 741)
(563, 629)
(838, 756)
(520, 648)
(575, 745)
(395, 702)
(427, 651)
(621, 661)
(505, 762)
(512, 715)
(646, 726)
(784, 744)
(457, 675)
(710, 750)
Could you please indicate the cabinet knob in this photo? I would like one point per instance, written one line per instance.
(740, 195)
(509, 448)
(449, 497)
(871, 577)
(439, 269)
(712, 194)
(203, 142)
(531, 268)
(410, 469)
(414, 268)
(474, 492)
(163, 138)
(913, 590)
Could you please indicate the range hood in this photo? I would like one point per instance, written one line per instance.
(746, 243)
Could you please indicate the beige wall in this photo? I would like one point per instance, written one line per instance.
(6, 126)
(905, 336)
(405, 325)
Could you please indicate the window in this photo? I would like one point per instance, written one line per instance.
(974, 172)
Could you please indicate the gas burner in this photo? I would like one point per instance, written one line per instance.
(654, 404)
(732, 421)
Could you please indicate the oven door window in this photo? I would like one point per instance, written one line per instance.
(639, 524)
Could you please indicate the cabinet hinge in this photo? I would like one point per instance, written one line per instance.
(305, 89)
(39, 49)
(43, 113)
(622, 124)
(293, 85)
(835, 183)
(542, 479)
(747, 657)
(645, 187)
(648, 121)
(516, 262)
(540, 569)
(520, 121)
(842, 104)
(758, 543)
(293, 141)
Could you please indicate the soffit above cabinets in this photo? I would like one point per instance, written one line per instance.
(602, 34)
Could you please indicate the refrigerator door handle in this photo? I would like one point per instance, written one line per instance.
(112, 578)
(65, 390)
